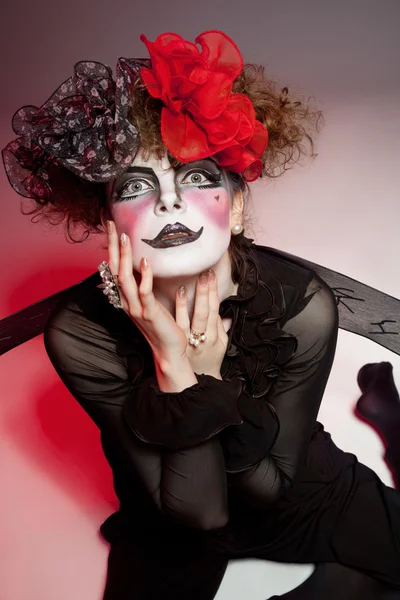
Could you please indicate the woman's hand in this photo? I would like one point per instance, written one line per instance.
(167, 340)
(207, 357)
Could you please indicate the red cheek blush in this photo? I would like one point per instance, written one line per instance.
(129, 214)
(215, 203)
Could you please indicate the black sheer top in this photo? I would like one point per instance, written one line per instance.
(178, 458)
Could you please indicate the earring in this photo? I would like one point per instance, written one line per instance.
(237, 229)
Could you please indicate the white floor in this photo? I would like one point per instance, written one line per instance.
(259, 579)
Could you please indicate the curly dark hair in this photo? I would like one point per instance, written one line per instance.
(291, 125)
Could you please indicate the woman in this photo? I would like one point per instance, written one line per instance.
(205, 361)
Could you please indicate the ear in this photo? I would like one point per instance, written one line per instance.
(236, 215)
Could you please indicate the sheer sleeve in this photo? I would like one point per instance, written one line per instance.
(296, 396)
(188, 484)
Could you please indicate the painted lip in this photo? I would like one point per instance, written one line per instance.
(160, 241)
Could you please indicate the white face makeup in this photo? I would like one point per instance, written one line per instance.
(151, 196)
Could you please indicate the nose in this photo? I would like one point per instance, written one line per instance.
(169, 201)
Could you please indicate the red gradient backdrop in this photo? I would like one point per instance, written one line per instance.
(342, 211)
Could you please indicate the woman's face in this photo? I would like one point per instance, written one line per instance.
(194, 199)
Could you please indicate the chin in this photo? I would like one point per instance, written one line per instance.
(184, 264)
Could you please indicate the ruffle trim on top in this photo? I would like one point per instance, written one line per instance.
(257, 351)
(257, 346)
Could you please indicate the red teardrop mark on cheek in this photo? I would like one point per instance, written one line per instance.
(217, 198)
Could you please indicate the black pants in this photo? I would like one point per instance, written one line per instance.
(338, 515)
(162, 572)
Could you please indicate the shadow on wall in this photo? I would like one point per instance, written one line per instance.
(51, 429)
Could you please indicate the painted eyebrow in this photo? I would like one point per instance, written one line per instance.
(144, 170)
(150, 171)
(117, 187)
(147, 170)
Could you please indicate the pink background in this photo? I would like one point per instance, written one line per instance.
(341, 211)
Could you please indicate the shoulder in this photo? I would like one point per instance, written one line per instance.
(305, 292)
(288, 268)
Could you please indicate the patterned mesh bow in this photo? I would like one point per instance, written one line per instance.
(83, 126)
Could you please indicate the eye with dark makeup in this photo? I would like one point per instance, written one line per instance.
(194, 177)
(132, 189)
(202, 175)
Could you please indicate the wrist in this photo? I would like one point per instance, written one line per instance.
(170, 365)
(174, 375)
(215, 374)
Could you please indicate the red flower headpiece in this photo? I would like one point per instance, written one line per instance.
(84, 126)
(201, 116)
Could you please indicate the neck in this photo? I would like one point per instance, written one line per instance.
(165, 288)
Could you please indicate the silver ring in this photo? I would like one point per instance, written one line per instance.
(110, 285)
(195, 337)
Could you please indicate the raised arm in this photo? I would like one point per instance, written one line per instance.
(189, 483)
(296, 397)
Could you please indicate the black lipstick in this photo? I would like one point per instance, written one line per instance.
(174, 235)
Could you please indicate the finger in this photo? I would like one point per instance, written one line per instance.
(113, 248)
(126, 279)
(146, 294)
(221, 331)
(213, 313)
(201, 305)
(181, 310)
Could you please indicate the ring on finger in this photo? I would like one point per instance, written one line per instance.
(110, 285)
(195, 337)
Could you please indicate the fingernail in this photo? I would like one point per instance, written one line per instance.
(204, 278)
(211, 275)
(145, 262)
(110, 226)
(123, 239)
(181, 291)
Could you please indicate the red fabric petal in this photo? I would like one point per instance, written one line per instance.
(245, 161)
(161, 73)
(253, 171)
(192, 69)
(151, 82)
(183, 137)
(179, 57)
(242, 104)
(222, 131)
(200, 74)
(249, 166)
(205, 102)
(172, 43)
(221, 53)
(230, 155)
(201, 116)
(172, 57)
(239, 160)
(181, 87)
